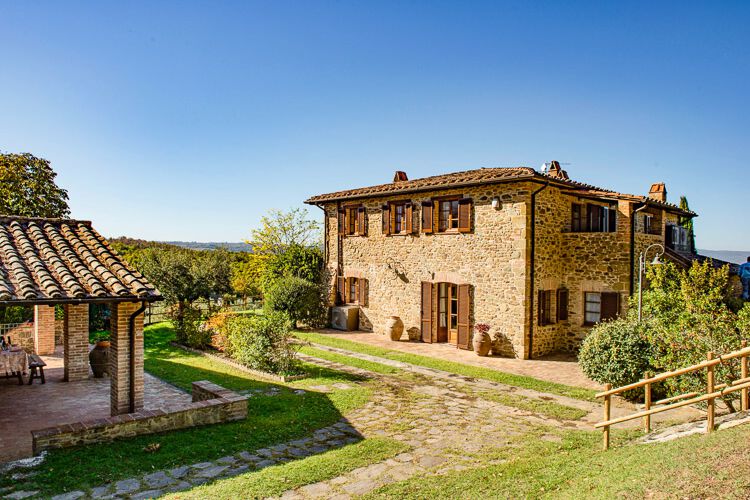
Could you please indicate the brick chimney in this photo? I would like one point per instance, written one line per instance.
(556, 171)
(658, 192)
(400, 176)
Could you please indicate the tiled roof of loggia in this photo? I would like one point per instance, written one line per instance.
(482, 176)
(63, 261)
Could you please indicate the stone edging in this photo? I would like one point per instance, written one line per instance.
(239, 366)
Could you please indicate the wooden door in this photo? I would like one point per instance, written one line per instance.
(452, 313)
(443, 304)
(427, 295)
(464, 317)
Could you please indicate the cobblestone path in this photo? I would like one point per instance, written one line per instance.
(438, 414)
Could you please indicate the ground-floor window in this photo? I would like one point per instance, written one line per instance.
(545, 308)
(352, 290)
(600, 306)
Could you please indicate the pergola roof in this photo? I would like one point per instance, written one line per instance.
(58, 261)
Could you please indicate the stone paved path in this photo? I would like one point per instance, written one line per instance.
(436, 413)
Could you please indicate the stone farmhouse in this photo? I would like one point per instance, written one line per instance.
(537, 256)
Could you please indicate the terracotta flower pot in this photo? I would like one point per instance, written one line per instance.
(395, 328)
(482, 343)
(99, 358)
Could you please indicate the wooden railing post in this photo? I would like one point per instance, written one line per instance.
(743, 374)
(709, 390)
(607, 404)
(647, 403)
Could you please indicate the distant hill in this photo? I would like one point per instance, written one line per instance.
(212, 245)
(736, 256)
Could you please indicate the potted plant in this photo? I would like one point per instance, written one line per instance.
(99, 355)
(481, 341)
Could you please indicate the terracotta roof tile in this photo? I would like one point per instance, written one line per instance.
(480, 176)
(63, 260)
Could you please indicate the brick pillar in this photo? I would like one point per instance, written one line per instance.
(44, 329)
(76, 342)
(119, 358)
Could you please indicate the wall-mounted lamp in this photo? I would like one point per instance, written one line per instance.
(496, 203)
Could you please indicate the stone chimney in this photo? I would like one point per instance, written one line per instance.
(658, 192)
(556, 171)
(400, 176)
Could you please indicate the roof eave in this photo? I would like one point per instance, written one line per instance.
(86, 300)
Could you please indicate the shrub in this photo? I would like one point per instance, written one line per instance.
(299, 299)
(616, 352)
(216, 327)
(188, 327)
(263, 343)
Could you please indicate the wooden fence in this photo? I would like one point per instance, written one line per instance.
(159, 311)
(712, 392)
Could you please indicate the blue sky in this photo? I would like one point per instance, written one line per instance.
(188, 120)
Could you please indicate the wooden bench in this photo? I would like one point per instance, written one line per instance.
(36, 368)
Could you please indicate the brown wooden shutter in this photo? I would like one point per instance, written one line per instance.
(576, 218)
(341, 290)
(427, 311)
(562, 304)
(386, 219)
(464, 313)
(612, 220)
(363, 291)
(362, 221)
(427, 217)
(342, 221)
(540, 319)
(464, 215)
(409, 218)
(610, 306)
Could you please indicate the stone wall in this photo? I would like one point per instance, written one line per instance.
(21, 334)
(211, 404)
(492, 258)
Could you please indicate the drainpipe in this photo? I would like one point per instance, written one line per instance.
(532, 270)
(131, 333)
(632, 245)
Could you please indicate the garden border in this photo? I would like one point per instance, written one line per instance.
(239, 366)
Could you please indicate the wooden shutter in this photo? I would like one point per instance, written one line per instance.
(427, 311)
(612, 220)
(362, 221)
(341, 290)
(342, 222)
(540, 305)
(562, 304)
(427, 224)
(408, 218)
(364, 290)
(610, 306)
(593, 213)
(576, 218)
(464, 312)
(464, 215)
(386, 219)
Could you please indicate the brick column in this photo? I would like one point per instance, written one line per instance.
(76, 342)
(44, 329)
(119, 358)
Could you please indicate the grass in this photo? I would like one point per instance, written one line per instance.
(350, 361)
(273, 481)
(548, 408)
(699, 466)
(271, 420)
(452, 367)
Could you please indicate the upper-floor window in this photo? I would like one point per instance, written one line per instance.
(398, 218)
(593, 218)
(677, 238)
(651, 224)
(453, 215)
(352, 221)
(600, 306)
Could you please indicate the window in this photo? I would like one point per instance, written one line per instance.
(545, 308)
(600, 307)
(352, 290)
(448, 215)
(677, 238)
(353, 221)
(453, 294)
(648, 221)
(398, 218)
(562, 304)
(592, 218)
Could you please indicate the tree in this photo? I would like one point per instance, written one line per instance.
(247, 274)
(297, 261)
(184, 276)
(280, 230)
(28, 188)
(687, 223)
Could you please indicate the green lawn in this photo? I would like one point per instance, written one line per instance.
(350, 361)
(699, 466)
(271, 419)
(452, 367)
(274, 481)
